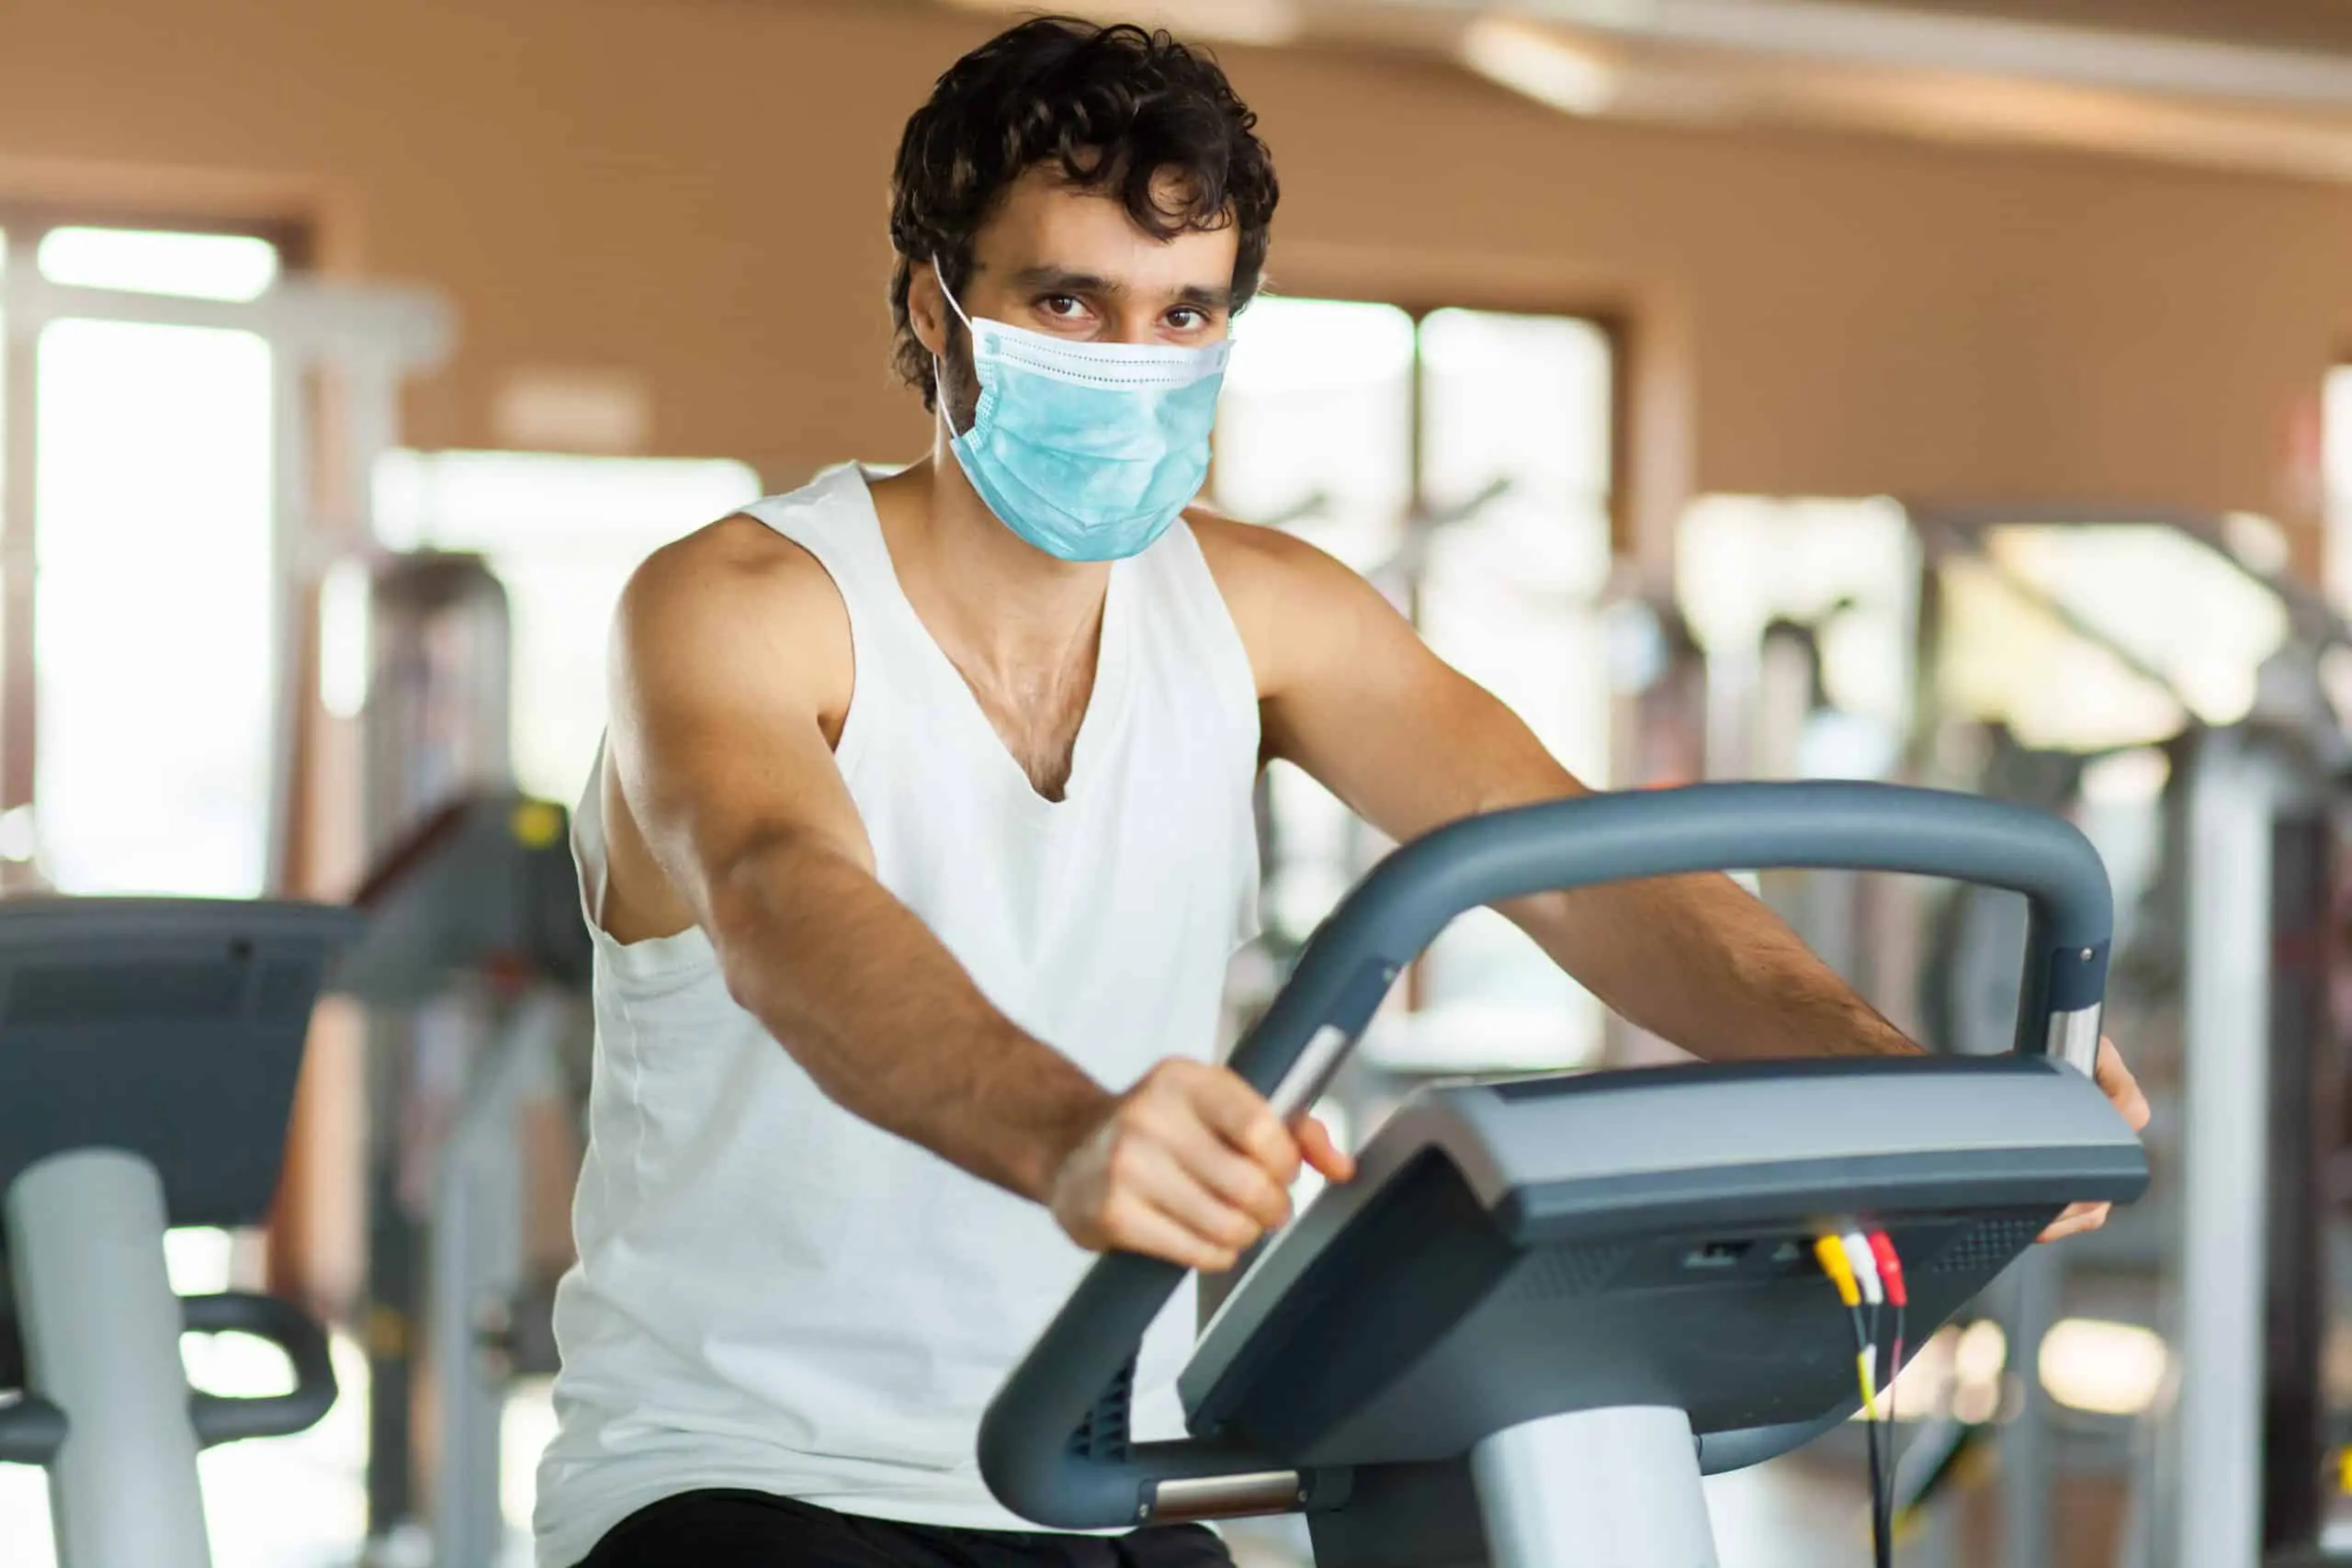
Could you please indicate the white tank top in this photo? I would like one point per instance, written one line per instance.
(774, 1294)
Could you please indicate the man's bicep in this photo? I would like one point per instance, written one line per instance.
(721, 681)
(1367, 709)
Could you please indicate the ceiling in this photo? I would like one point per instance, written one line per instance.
(2285, 24)
(2243, 84)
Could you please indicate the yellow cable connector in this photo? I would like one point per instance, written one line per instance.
(1831, 1253)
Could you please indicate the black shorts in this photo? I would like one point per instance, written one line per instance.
(752, 1529)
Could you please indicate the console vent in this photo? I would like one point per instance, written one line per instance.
(1561, 1273)
(1987, 1246)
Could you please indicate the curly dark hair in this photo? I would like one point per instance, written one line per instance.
(1108, 108)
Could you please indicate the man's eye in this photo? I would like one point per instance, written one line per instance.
(1184, 318)
(1063, 305)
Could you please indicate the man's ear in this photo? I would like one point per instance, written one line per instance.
(927, 308)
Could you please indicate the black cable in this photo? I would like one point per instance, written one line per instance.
(1881, 1546)
(1893, 1371)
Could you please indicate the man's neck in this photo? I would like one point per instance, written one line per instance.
(1007, 613)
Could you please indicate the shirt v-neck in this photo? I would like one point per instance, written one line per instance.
(1105, 705)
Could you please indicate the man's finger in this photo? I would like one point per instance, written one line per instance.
(1137, 1226)
(1241, 1116)
(1168, 1179)
(2077, 1219)
(2116, 1081)
(1332, 1162)
(1229, 1175)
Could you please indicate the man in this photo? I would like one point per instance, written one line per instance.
(923, 838)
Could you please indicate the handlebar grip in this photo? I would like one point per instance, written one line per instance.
(219, 1419)
(1026, 1450)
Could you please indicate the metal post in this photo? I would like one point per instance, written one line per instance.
(1602, 1488)
(2213, 1520)
(2029, 1453)
(101, 1329)
(290, 579)
(476, 1273)
(19, 487)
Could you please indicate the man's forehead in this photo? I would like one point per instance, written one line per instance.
(1048, 229)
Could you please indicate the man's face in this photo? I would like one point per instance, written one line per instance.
(1071, 263)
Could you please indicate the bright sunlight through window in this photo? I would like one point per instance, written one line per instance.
(203, 266)
(152, 623)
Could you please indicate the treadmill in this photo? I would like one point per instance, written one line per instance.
(1544, 1309)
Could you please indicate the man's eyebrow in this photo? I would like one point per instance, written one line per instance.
(1206, 299)
(1062, 280)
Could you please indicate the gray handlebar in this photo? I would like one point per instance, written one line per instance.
(224, 1419)
(1027, 1451)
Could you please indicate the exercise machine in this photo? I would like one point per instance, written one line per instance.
(474, 955)
(2238, 956)
(149, 1049)
(1545, 1308)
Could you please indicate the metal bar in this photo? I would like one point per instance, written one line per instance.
(2295, 1305)
(290, 501)
(102, 1341)
(1303, 1084)
(2028, 1448)
(314, 319)
(1224, 1496)
(476, 1273)
(19, 492)
(2217, 1425)
(1615, 1487)
(2074, 1038)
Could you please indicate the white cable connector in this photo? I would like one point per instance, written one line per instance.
(1857, 1248)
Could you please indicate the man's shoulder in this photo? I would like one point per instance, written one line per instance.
(1284, 594)
(737, 589)
(1260, 568)
(1252, 555)
(736, 563)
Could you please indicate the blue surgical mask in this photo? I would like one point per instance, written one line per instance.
(1087, 450)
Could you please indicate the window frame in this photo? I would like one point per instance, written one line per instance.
(24, 223)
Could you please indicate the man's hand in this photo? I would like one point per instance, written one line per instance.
(1191, 1164)
(2124, 1091)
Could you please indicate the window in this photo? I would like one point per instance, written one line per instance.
(147, 634)
(1461, 460)
(562, 534)
(1836, 578)
(2086, 638)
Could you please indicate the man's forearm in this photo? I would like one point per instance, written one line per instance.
(879, 1013)
(1696, 960)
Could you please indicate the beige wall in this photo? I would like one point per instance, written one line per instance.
(692, 190)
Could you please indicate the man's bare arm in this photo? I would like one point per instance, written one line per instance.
(731, 648)
(726, 653)
(1354, 697)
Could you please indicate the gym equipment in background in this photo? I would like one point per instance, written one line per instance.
(150, 1048)
(1544, 1308)
(475, 958)
(2230, 963)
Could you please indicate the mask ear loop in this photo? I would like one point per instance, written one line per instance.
(949, 294)
(939, 371)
